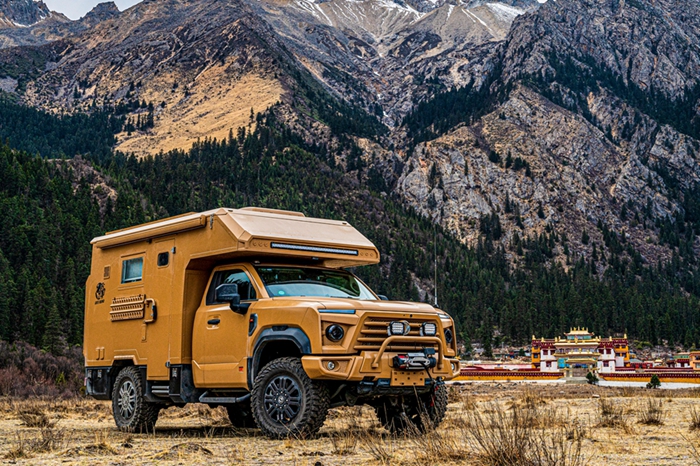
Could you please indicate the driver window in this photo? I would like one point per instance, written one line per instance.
(235, 276)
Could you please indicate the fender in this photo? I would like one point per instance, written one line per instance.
(275, 334)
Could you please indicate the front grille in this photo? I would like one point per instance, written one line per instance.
(374, 331)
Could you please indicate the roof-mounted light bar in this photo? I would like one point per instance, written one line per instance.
(296, 247)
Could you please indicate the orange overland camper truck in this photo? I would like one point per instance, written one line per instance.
(252, 309)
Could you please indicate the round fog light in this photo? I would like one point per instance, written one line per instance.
(330, 366)
(454, 368)
(335, 332)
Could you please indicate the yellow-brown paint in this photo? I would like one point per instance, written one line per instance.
(163, 318)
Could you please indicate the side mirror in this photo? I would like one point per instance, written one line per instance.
(382, 297)
(228, 292)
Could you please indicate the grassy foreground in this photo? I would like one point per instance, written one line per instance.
(487, 424)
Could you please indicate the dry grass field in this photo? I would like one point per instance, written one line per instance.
(487, 424)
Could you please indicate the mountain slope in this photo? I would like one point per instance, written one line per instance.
(187, 70)
(571, 116)
(200, 66)
(375, 54)
(599, 101)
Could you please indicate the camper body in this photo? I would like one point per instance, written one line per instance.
(252, 309)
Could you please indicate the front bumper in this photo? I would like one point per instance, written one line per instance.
(374, 365)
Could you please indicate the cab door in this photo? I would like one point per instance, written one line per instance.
(220, 336)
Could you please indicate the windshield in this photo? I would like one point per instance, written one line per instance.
(303, 281)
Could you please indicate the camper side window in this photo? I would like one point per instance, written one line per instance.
(132, 270)
(238, 277)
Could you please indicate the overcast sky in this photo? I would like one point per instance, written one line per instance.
(76, 9)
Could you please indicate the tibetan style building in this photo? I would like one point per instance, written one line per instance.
(578, 352)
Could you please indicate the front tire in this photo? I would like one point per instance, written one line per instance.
(286, 402)
(413, 414)
(131, 412)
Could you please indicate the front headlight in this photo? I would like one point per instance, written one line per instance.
(335, 332)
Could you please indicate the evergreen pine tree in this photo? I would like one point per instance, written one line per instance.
(53, 340)
(6, 297)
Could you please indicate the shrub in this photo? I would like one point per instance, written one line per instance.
(27, 371)
(694, 419)
(651, 413)
(523, 436)
(34, 416)
(654, 382)
(612, 415)
(592, 378)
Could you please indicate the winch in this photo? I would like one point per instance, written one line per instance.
(416, 361)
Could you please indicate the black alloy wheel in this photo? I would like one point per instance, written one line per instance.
(286, 402)
(282, 399)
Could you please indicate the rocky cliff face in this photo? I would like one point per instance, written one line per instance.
(26, 22)
(651, 44)
(102, 12)
(22, 13)
(598, 100)
(571, 116)
(30, 23)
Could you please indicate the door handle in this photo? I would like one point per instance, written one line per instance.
(213, 321)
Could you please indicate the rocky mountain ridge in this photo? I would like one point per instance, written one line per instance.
(101, 12)
(379, 53)
(22, 13)
(31, 23)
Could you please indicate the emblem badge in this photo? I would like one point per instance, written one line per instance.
(100, 291)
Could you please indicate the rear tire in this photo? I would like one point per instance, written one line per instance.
(241, 415)
(413, 414)
(131, 412)
(286, 402)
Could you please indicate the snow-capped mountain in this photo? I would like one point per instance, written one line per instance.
(364, 48)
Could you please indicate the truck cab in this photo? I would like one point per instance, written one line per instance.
(255, 310)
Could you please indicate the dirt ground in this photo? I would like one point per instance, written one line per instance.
(608, 432)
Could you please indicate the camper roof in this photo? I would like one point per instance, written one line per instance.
(263, 230)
